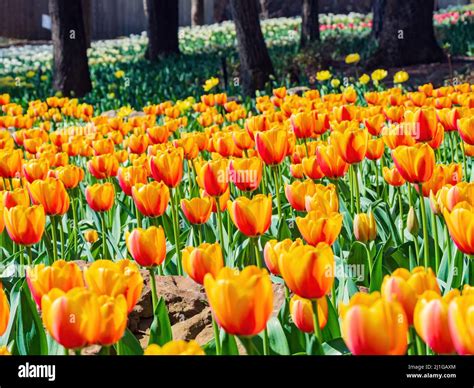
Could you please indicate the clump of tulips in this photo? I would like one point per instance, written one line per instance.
(356, 205)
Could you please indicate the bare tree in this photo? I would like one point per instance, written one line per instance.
(197, 12)
(407, 34)
(255, 63)
(71, 69)
(162, 28)
(378, 8)
(309, 22)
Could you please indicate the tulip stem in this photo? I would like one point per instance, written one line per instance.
(426, 248)
(104, 237)
(317, 328)
(470, 264)
(266, 343)
(277, 189)
(216, 336)
(30, 255)
(61, 236)
(306, 147)
(448, 245)
(53, 233)
(154, 296)
(351, 188)
(464, 162)
(356, 187)
(138, 216)
(258, 258)
(219, 222)
(436, 241)
(376, 178)
(174, 214)
(199, 228)
(74, 217)
(400, 208)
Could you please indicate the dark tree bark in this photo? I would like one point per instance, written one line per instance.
(162, 28)
(378, 8)
(255, 63)
(71, 69)
(407, 35)
(197, 12)
(309, 22)
(221, 10)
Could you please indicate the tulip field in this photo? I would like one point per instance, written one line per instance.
(359, 204)
(332, 214)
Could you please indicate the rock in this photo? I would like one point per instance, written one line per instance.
(299, 90)
(188, 309)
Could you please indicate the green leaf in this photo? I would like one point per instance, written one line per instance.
(30, 334)
(335, 347)
(129, 345)
(359, 257)
(331, 330)
(160, 330)
(277, 338)
(228, 344)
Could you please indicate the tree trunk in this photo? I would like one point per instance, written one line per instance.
(71, 69)
(407, 35)
(309, 23)
(255, 63)
(197, 12)
(221, 10)
(378, 8)
(162, 28)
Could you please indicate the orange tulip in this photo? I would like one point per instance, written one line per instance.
(18, 196)
(129, 177)
(4, 311)
(463, 191)
(272, 145)
(51, 194)
(206, 258)
(25, 225)
(248, 303)
(91, 236)
(112, 319)
(374, 124)
(460, 222)
(365, 228)
(465, 128)
(303, 124)
(251, 216)
(63, 275)
(167, 166)
(246, 173)
(298, 191)
(330, 162)
(351, 144)
(35, 169)
(311, 168)
(197, 210)
(323, 199)
(151, 199)
(137, 144)
(308, 271)
(10, 163)
(318, 226)
(393, 177)
(103, 146)
(406, 287)
(414, 163)
(301, 312)
(273, 249)
(375, 149)
(448, 118)
(175, 348)
(103, 166)
(100, 196)
(372, 325)
(460, 323)
(430, 319)
(70, 175)
(72, 318)
(105, 277)
(423, 123)
(147, 246)
(214, 177)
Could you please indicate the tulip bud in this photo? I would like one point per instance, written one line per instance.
(91, 236)
(365, 228)
(412, 222)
